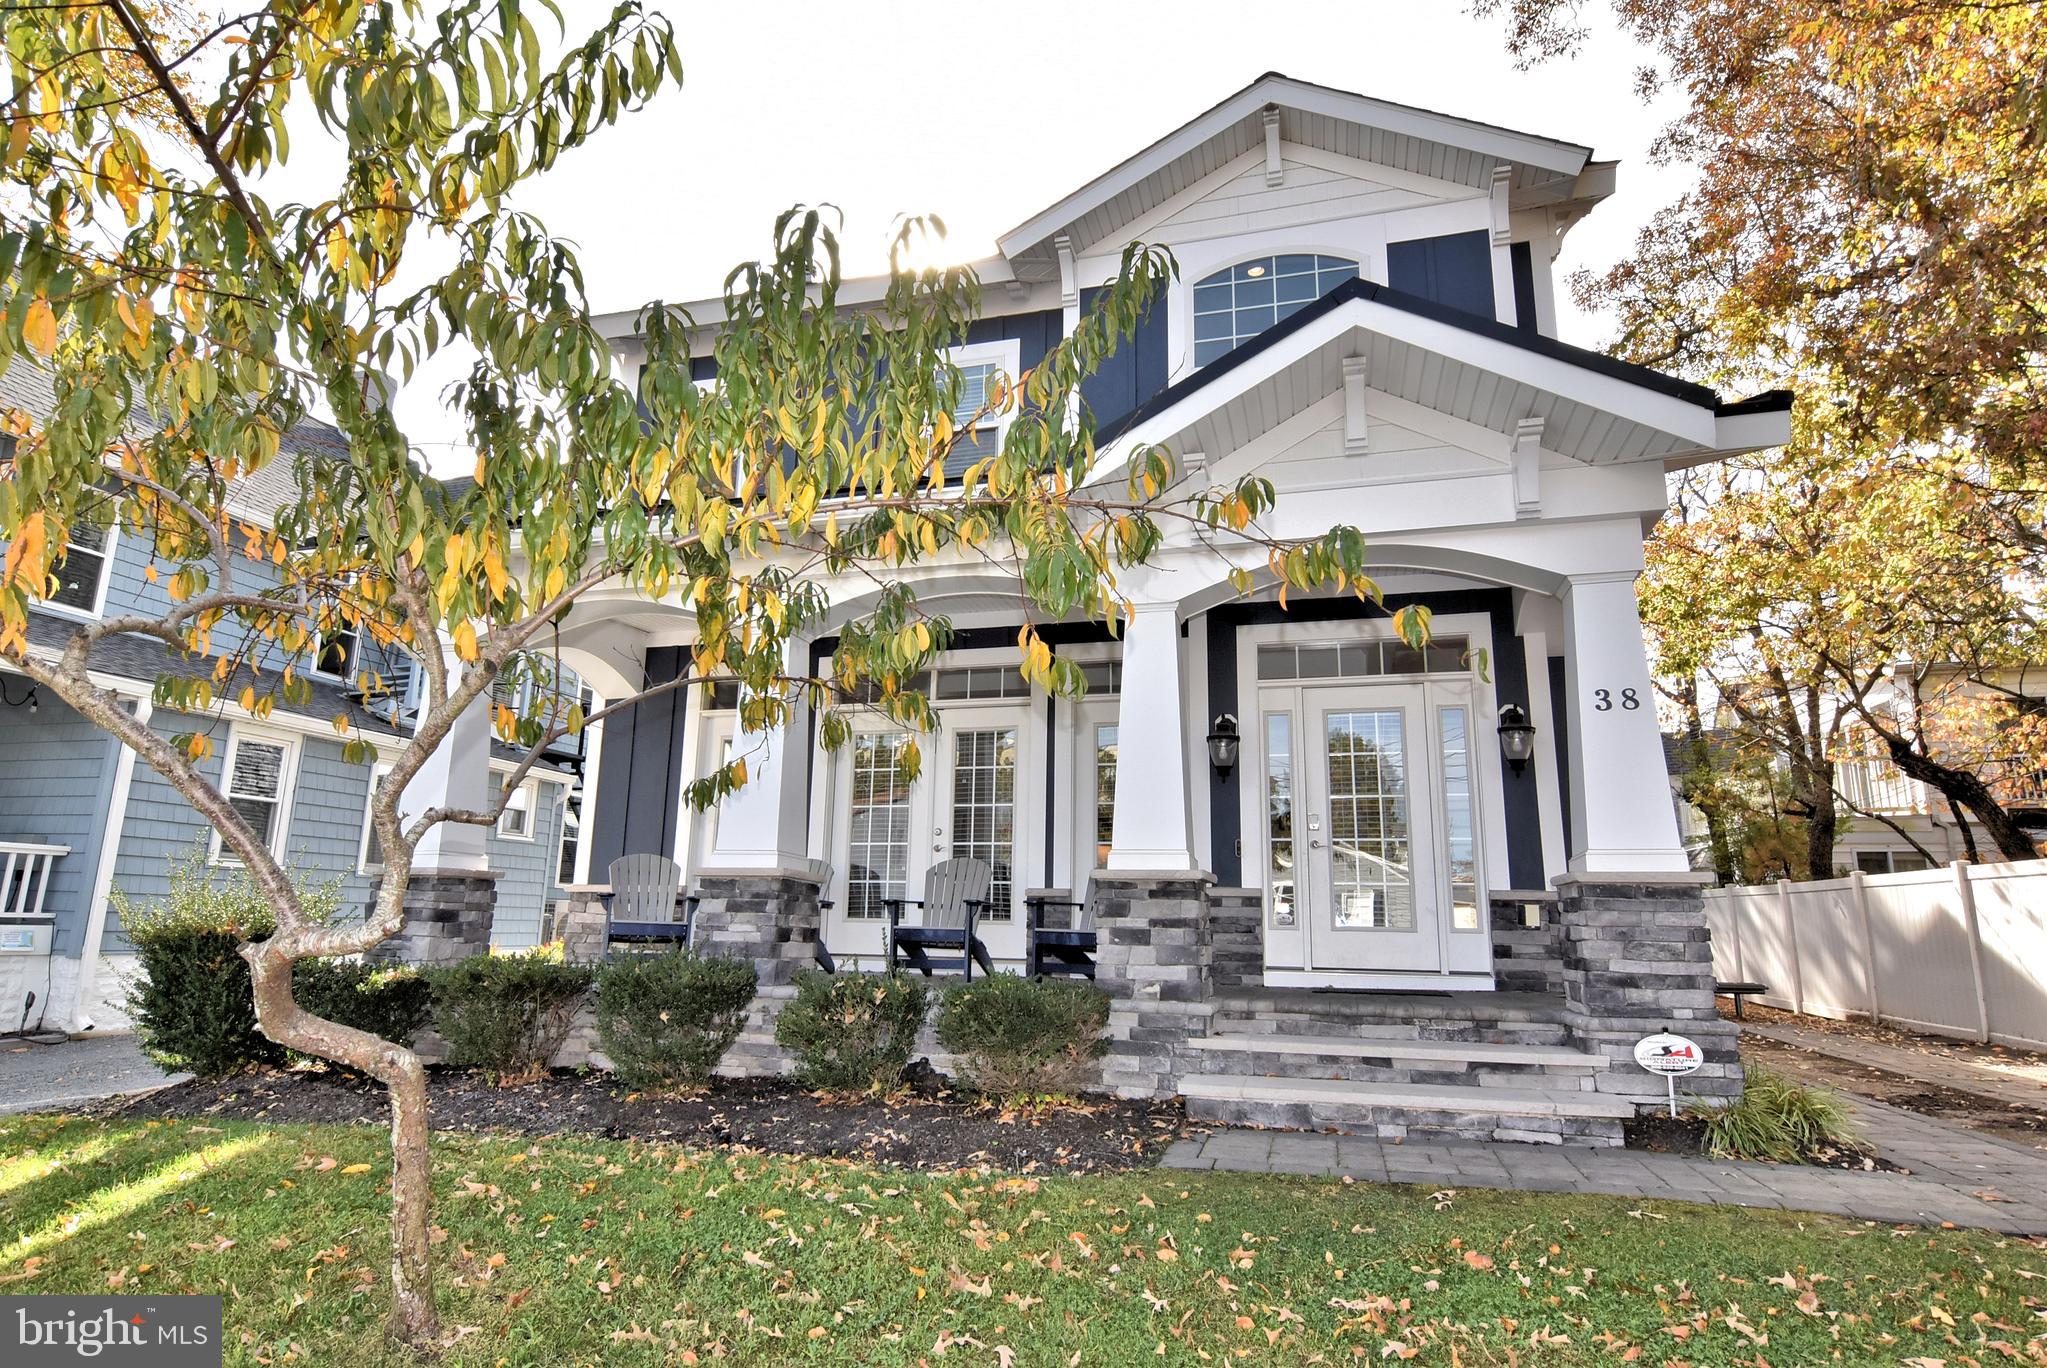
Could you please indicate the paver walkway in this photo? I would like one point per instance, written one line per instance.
(48, 1077)
(1937, 1069)
(1958, 1177)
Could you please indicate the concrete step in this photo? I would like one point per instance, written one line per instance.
(1428, 1054)
(1398, 1110)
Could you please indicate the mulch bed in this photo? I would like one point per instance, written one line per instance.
(927, 1127)
(1687, 1135)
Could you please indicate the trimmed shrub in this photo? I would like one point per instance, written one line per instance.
(507, 1014)
(666, 1020)
(1015, 1037)
(391, 1002)
(852, 1032)
(1776, 1119)
(193, 1007)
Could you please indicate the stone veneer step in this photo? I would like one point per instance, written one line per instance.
(1428, 1053)
(1418, 1097)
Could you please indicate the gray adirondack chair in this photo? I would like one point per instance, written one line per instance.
(955, 898)
(645, 903)
(1060, 937)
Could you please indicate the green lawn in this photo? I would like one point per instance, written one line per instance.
(585, 1251)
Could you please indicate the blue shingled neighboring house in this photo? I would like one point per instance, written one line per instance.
(81, 817)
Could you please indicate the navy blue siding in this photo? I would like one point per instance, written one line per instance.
(1136, 371)
(640, 774)
(1560, 718)
(1455, 270)
(1523, 257)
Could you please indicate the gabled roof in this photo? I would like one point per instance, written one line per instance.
(1421, 140)
(1597, 408)
(1771, 401)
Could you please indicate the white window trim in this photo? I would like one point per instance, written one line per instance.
(561, 835)
(1006, 355)
(531, 788)
(99, 598)
(363, 864)
(287, 787)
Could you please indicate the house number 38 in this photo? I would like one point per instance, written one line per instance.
(1603, 700)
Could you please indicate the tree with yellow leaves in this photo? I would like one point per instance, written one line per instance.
(190, 322)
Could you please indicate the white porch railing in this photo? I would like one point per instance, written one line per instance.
(25, 876)
(1956, 951)
(1878, 786)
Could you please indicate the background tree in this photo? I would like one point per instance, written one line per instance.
(1869, 221)
(1845, 608)
(1871, 203)
(190, 323)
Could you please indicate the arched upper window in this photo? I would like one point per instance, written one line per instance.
(1241, 301)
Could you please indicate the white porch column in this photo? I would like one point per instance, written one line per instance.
(1621, 803)
(456, 775)
(765, 825)
(1150, 828)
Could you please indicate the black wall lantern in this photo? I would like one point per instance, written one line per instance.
(1222, 743)
(1517, 737)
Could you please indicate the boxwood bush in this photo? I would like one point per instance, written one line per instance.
(192, 1006)
(393, 1002)
(666, 1020)
(1013, 1037)
(507, 1014)
(852, 1032)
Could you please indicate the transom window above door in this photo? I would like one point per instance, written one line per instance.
(1237, 303)
(1363, 659)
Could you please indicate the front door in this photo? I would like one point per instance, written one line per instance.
(1368, 821)
(964, 803)
(1375, 854)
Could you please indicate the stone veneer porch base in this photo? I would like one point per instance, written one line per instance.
(1612, 960)
(448, 914)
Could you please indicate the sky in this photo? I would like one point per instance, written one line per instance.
(984, 114)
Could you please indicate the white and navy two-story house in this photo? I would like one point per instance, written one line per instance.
(1365, 314)
(81, 817)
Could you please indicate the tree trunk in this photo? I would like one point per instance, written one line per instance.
(1964, 789)
(1702, 759)
(413, 1320)
(1823, 827)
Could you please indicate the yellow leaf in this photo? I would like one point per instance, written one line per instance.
(25, 552)
(355, 1168)
(39, 327)
(465, 641)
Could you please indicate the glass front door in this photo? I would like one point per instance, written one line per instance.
(1366, 831)
(1371, 838)
(966, 802)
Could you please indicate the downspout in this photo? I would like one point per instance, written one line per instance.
(103, 876)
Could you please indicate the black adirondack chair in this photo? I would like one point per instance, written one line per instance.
(1059, 937)
(955, 897)
(645, 907)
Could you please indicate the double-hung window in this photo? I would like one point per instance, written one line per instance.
(978, 425)
(256, 780)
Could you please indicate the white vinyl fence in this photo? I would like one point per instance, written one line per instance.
(1958, 951)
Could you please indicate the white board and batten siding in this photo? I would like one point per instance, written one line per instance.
(1959, 951)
